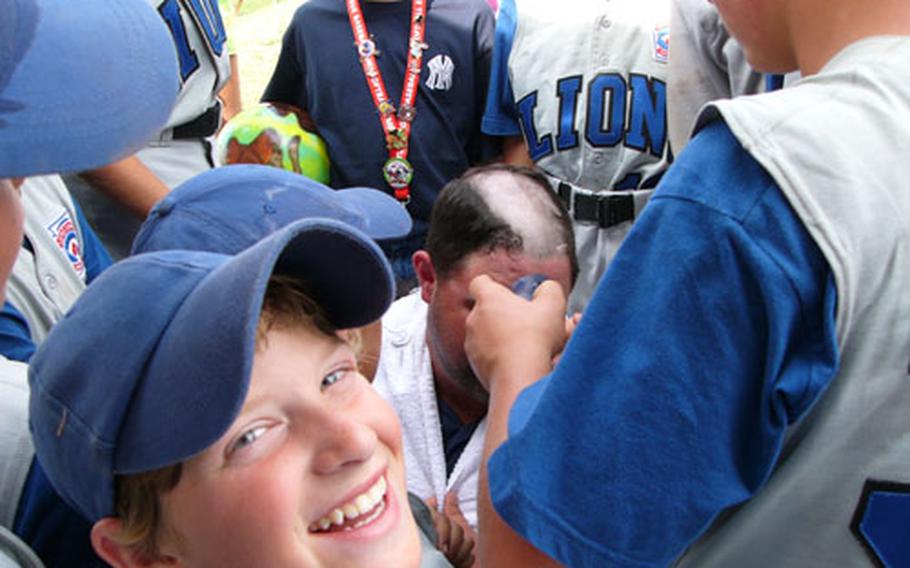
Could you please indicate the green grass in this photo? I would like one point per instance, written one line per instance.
(249, 6)
(257, 39)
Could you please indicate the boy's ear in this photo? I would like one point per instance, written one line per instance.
(108, 545)
(426, 274)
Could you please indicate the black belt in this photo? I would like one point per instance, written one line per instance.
(203, 126)
(605, 209)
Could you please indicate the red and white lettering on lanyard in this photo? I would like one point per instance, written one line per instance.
(396, 124)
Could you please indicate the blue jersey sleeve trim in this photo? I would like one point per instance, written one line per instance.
(15, 336)
(774, 82)
(500, 117)
(704, 330)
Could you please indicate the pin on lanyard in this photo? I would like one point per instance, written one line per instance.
(396, 123)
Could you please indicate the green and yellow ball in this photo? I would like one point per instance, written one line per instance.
(271, 134)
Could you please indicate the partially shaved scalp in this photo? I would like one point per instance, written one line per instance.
(499, 206)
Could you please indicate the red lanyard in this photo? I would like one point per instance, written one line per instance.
(396, 124)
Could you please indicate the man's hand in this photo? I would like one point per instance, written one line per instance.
(456, 539)
(510, 343)
(505, 331)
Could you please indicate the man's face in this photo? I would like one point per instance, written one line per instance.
(311, 473)
(10, 229)
(450, 303)
(761, 28)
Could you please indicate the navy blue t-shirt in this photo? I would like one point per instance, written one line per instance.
(319, 71)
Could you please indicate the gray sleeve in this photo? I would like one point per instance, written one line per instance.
(15, 443)
(705, 64)
(14, 553)
(430, 556)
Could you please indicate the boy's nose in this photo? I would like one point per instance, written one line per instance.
(343, 440)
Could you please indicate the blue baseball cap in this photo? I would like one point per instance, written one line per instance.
(229, 208)
(82, 83)
(152, 363)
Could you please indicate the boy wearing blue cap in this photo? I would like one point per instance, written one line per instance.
(234, 428)
(228, 209)
(67, 102)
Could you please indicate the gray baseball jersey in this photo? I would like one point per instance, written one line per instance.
(15, 443)
(16, 554)
(585, 83)
(840, 493)
(50, 272)
(705, 64)
(179, 153)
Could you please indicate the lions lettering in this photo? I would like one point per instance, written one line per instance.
(633, 112)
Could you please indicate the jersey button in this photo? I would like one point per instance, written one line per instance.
(51, 282)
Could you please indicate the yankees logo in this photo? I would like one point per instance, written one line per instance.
(441, 69)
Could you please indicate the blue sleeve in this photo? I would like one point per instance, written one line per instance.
(94, 255)
(500, 117)
(15, 336)
(288, 82)
(710, 334)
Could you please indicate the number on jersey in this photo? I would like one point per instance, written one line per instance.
(207, 18)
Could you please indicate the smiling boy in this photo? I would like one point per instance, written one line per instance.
(234, 428)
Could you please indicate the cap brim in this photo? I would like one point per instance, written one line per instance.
(229, 208)
(99, 79)
(383, 216)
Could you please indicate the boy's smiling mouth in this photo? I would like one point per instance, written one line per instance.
(359, 512)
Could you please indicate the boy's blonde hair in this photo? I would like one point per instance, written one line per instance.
(138, 496)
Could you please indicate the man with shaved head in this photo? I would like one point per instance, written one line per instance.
(498, 220)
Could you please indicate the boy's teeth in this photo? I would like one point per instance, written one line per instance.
(376, 491)
(361, 505)
(364, 503)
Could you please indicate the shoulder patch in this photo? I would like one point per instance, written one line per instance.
(881, 522)
(63, 232)
(661, 41)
